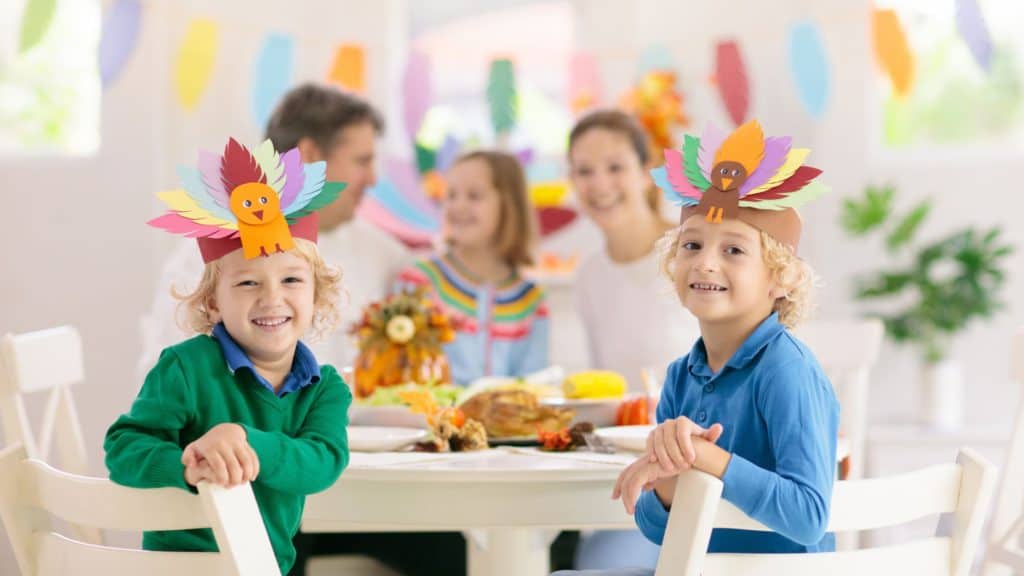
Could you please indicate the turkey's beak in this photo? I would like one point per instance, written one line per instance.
(726, 183)
(258, 214)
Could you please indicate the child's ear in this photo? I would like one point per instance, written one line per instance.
(212, 311)
(777, 292)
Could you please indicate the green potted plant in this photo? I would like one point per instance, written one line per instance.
(931, 292)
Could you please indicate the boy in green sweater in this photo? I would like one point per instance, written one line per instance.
(244, 401)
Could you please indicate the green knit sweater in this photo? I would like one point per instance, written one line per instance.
(300, 438)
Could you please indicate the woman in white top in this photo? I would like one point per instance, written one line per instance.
(632, 317)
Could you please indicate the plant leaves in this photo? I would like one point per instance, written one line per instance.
(904, 231)
(862, 216)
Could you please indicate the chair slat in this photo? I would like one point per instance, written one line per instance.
(920, 558)
(100, 503)
(60, 556)
(875, 503)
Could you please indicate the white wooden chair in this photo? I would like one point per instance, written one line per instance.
(47, 361)
(1005, 553)
(32, 493)
(963, 489)
(44, 361)
(847, 351)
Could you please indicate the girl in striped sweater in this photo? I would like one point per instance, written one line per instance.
(501, 318)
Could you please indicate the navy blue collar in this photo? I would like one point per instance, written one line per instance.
(765, 332)
(305, 369)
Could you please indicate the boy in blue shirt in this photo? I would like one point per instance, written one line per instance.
(749, 403)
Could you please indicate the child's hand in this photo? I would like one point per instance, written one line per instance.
(639, 476)
(198, 473)
(671, 443)
(225, 450)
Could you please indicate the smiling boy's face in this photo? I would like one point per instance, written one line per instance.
(720, 273)
(265, 303)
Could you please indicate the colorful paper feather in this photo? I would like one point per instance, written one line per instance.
(775, 152)
(238, 166)
(294, 176)
(202, 209)
(691, 148)
(710, 141)
(777, 177)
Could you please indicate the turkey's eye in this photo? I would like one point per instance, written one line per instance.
(247, 203)
(263, 199)
(735, 172)
(723, 171)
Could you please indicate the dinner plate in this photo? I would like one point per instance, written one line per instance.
(632, 438)
(382, 438)
(391, 416)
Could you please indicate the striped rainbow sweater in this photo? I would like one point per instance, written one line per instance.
(502, 329)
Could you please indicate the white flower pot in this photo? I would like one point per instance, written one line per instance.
(943, 395)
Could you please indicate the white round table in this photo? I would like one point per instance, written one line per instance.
(509, 503)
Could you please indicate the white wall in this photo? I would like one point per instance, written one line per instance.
(63, 264)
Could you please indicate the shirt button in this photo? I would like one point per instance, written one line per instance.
(709, 388)
(702, 416)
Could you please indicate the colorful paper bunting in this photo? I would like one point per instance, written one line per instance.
(348, 69)
(194, 64)
(418, 90)
(584, 82)
(970, 22)
(809, 65)
(501, 95)
(272, 75)
(731, 78)
(119, 36)
(893, 51)
(656, 58)
(35, 21)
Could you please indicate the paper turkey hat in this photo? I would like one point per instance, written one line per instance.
(757, 180)
(257, 201)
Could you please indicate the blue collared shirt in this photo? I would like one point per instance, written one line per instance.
(305, 369)
(780, 419)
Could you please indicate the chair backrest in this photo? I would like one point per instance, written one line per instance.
(32, 493)
(963, 489)
(847, 351)
(44, 361)
(1005, 554)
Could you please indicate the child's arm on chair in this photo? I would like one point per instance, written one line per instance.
(142, 447)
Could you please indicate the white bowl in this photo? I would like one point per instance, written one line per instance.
(382, 438)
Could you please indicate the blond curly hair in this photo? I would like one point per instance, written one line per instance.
(326, 292)
(794, 275)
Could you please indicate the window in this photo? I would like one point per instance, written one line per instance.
(50, 92)
(953, 100)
